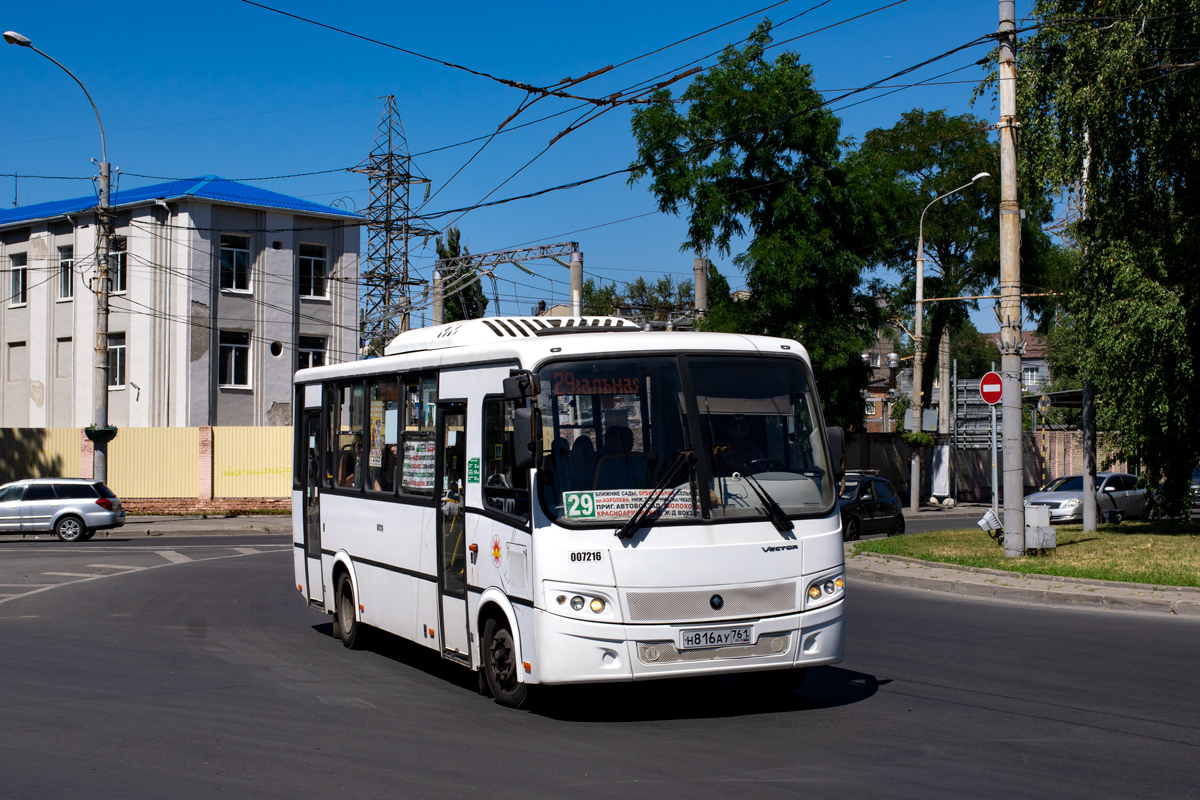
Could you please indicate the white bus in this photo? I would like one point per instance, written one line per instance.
(571, 500)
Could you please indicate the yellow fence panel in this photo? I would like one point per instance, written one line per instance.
(154, 462)
(39, 453)
(252, 462)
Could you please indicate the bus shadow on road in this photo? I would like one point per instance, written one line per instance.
(702, 698)
(673, 698)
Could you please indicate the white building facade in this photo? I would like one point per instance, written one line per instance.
(220, 291)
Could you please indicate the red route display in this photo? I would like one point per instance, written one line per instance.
(570, 383)
(991, 389)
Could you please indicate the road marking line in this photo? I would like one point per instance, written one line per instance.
(247, 551)
(26, 585)
(113, 566)
(72, 574)
(173, 557)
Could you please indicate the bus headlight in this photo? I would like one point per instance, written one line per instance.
(577, 603)
(597, 605)
(814, 591)
(825, 589)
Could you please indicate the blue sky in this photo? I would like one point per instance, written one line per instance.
(230, 89)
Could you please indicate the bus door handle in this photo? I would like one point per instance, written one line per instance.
(474, 552)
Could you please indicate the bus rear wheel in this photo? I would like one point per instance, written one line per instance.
(345, 619)
(500, 665)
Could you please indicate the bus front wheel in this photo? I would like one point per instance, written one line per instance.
(500, 665)
(344, 617)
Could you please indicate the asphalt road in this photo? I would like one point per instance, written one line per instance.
(191, 668)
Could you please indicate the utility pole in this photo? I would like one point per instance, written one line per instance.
(576, 284)
(1011, 342)
(700, 284)
(99, 433)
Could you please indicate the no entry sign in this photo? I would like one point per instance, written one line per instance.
(991, 389)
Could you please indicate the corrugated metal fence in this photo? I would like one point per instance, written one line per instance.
(163, 463)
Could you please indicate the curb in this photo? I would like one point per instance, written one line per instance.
(1040, 589)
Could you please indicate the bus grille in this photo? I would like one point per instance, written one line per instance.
(687, 606)
(666, 652)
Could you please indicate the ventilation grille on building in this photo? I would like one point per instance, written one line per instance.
(666, 652)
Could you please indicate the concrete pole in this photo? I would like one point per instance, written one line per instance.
(700, 282)
(1089, 457)
(945, 392)
(100, 355)
(435, 290)
(1011, 343)
(577, 284)
(914, 492)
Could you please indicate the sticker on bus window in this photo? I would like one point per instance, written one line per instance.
(472, 470)
(624, 503)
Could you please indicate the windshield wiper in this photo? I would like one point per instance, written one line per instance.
(669, 478)
(773, 510)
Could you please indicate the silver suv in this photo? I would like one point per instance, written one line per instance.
(71, 507)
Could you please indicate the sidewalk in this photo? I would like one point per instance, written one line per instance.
(201, 525)
(1024, 588)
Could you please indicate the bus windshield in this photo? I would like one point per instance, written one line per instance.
(614, 429)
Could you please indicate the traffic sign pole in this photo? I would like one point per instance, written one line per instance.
(991, 389)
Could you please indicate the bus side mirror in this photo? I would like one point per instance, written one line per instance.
(837, 452)
(527, 438)
(521, 384)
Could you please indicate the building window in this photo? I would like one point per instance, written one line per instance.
(313, 269)
(17, 296)
(18, 362)
(872, 410)
(234, 366)
(311, 352)
(116, 360)
(62, 356)
(66, 273)
(874, 359)
(117, 264)
(1030, 376)
(235, 262)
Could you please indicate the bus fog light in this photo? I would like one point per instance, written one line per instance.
(577, 603)
(597, 605)
(562, 598)
(829, 587)
(814, 591)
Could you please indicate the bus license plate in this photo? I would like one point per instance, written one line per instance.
(715, 637)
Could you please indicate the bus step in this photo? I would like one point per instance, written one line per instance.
(320, 604)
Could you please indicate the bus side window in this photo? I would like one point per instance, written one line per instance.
(417, 443)
(504, 489)
(382, 444)
(348, 429)
(330, 455)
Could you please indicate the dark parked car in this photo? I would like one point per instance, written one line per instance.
(869, 505)
(74, 509)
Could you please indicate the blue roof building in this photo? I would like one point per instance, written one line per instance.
(220, 291)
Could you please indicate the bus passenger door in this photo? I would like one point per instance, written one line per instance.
(451, 529)
(312, 505)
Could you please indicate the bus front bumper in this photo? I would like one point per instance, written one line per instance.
(581, 651)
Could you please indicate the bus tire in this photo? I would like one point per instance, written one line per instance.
(345, 620)
(500, 665)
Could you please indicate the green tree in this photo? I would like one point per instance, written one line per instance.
(925, 155)
(753, 154)
(468, 300)
(660, 300)
(1110, 105)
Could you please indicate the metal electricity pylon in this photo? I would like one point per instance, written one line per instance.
(391, 227)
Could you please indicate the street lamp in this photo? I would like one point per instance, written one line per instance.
(100, 433)
(915, 425)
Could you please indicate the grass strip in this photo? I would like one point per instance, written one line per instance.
(1137, 552)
